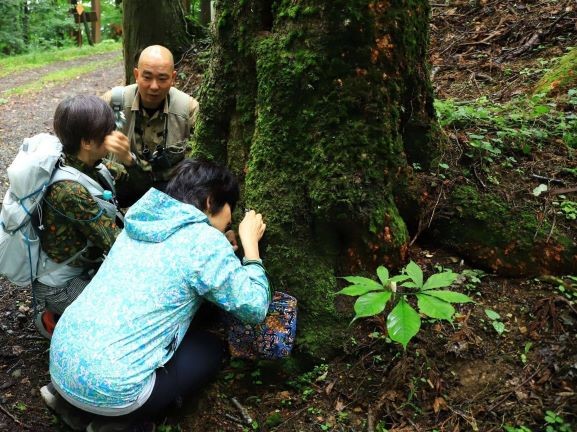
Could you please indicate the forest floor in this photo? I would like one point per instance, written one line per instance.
(464, 376)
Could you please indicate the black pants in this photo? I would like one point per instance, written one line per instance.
(194, 364)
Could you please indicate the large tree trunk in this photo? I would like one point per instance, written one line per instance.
(320, 106)
(151, 22)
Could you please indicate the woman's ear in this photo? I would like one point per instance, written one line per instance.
(85, 144)
(208, 205)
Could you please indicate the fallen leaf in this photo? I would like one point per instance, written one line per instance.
(439, 404)
(339, 406)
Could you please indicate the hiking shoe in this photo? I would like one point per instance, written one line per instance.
(116, 426)
(75, 418)
(45, 323)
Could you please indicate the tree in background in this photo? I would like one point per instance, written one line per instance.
(11, 27)
(149, 22)
(321, 106)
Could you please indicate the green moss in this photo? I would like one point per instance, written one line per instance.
(509, 240)
(314, 126)
(561, 77)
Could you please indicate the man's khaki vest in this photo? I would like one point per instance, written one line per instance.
(178, 127)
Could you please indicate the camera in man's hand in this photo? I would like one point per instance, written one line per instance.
(158, 159)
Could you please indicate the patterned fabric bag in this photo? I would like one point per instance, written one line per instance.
(272, 339)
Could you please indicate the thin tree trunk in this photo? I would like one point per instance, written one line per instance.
(26, 23)
(205, 12)
(151, 22)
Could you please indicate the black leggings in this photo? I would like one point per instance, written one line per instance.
(194, 364)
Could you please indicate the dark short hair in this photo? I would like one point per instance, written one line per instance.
(196, 180)
(82, 117)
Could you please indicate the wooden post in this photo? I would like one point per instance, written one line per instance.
(96, 36)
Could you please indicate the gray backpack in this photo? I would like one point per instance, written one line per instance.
(35, 168)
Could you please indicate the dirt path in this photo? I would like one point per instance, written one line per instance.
(31, 113)
(24, 354)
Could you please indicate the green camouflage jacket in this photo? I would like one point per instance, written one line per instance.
(69, 212)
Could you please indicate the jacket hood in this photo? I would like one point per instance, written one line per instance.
(156, 216)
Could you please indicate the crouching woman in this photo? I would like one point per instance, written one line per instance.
(123, 348)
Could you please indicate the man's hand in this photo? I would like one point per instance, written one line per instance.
(118, 144)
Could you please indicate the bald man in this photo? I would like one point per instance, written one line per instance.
(158, 118)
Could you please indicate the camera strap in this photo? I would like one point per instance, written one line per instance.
(139, 131)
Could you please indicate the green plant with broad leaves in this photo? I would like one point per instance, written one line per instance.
(403, 321)
(495, 318)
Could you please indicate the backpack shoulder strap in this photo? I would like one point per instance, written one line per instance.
(107, 176)
(94, 188)
(117, 98)
(69, 173)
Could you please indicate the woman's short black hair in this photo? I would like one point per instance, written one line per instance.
(82, 117)
(196, 180)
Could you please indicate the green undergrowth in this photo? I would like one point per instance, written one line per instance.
(560, 76)
(515, 129)
(37, 59)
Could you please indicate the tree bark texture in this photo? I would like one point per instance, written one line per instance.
(153, 22)
(505, 234)
(320, 106)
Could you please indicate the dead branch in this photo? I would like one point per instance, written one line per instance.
(9, 414)
(243, 411)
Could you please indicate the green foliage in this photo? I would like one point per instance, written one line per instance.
(509, 428)
(516, 127)
(38, 25)
(50, 25)
(110, 14)
(495, 318)
(11, 37)
(553, 423)
(567, 208)
(168, 428)
(403, 321)
(304, 383)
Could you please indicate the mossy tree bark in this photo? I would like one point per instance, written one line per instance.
(320, 106)
(152, 22)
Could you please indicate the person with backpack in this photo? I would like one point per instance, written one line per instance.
(126, 348)
(158, 118)
(80, 213)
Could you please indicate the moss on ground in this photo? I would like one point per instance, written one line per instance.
(561, 77)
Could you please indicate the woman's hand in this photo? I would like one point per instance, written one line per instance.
(251, 230)
(118, 144)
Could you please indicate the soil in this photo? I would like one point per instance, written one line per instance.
(463, 376)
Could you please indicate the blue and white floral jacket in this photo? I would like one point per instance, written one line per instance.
(167, 261)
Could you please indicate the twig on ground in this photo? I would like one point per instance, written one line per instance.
(234, 418)
(370, 420)
(435, 207)
(547, 179)
(243, 411)
(479, 178)
(9, 414)
(562, 191)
